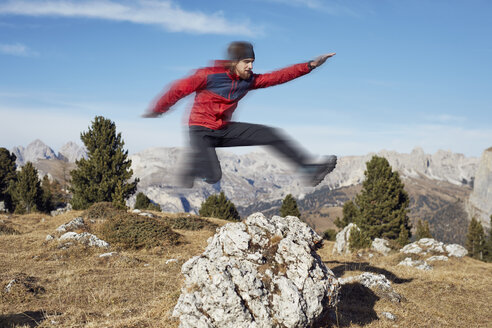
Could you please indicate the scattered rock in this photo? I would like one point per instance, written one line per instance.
(426, 246)
(342, 240)
(437, 258)
(49, 238)
(149, 215)
(388, 315)
(84, 238)
(76, 223)
(110, 254)
(136, 211)
(61, 210)
(377, 282)
(412, 248)
(9, 286)
(381, 246)
(22, 284)
(257, 273)
(421, 265)
(456, 250)
(171, 261)
(2, 207)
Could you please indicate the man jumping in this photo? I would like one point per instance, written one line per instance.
(218, 90)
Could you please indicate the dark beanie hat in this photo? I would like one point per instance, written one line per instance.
(240, 50)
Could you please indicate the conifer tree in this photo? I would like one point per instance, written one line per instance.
(143, 202)
(104, 176)
(423, 230)
(488, 245)
(289, 207)
(382, 203)
(47, 197)
(7, 176)
(218, 206)
(358, 239)
(475, 239)
(350, 215)
(26, 191)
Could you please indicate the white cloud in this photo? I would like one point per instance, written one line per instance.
(162, 13)
(16, 49)
(332, 8)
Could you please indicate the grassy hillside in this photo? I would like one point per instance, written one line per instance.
(74, 287)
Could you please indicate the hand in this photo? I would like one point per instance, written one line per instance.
(150, 114)
(318, 61)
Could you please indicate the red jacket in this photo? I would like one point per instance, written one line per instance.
(218, 92)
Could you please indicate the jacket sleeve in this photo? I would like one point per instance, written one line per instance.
(179, 90)
(281, 76)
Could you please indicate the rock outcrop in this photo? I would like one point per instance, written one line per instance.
(480, 202)
(376, 282)
(430, 246)
(342, 240)
(257, 273)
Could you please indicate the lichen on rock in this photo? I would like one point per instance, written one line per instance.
(258, 273)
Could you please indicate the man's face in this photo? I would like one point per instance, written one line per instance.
(244, 68)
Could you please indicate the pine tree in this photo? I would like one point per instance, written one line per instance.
(7, 176)
(47, 197)
(423, 230)
(350, 215)
(358, 239)
(26, 191)
(218, 206)
(382, 203)
(143, 202)
(475, 240)
(289, 207)
(488, 245)
(104, 175)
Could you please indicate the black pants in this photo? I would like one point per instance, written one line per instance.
(204, 162)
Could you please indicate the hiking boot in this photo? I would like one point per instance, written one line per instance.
(185, 180)
(317, 172)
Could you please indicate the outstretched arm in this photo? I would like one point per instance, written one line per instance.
(178, 90)
(288, 73)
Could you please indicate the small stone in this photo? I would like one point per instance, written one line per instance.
(110, 254)
(9, 285)
(171, 261)
(421, 265)
(389, 316)
(49, 238)
(72, 225)
(437, 258)
(136, 211)
(148, 215)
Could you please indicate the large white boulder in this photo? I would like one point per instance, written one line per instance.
(257, 273)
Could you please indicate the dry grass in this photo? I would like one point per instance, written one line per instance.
(74, 287)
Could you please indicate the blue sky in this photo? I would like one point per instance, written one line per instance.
(406, 73)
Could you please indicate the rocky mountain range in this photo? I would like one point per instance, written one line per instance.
(439, 184)
(38, 150)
